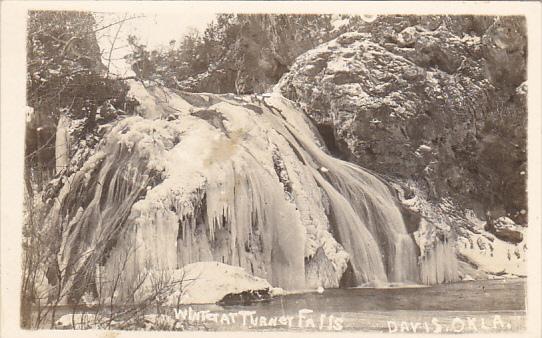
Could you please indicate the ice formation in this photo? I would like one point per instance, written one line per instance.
(237, 180)
(62, 144)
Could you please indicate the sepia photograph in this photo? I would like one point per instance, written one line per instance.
(218, 169)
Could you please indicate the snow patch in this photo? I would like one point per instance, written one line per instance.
(493, 255)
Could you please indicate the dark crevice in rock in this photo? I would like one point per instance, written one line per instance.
(411, 218)
(328, 135)
(337, 147)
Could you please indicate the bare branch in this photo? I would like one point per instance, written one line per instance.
(117, 22)
(113, 45)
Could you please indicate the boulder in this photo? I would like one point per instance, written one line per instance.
(212, 282)
(349, 38)
(246, 297)
(407, 37)
(506, 229)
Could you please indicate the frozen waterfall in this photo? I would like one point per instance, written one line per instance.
(239, 180)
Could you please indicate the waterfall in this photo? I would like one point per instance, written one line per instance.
(363, 202)
(239, 180)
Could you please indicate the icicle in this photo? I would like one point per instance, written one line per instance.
(62, 143)
(439, 263)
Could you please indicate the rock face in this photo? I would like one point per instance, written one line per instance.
(440, 102)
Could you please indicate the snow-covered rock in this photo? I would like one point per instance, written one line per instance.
(506, 229)
(424, 148)
(492, 255)
(210, 282)
(467, 278)
(349, 38)
(407, 37)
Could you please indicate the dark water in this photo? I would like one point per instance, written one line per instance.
(476, 306)
(466, 296)
(465, 307)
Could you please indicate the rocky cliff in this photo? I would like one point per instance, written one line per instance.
(439, 106)
(425, 102)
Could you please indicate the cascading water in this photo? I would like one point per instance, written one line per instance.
(241, 181)
(364, 212)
